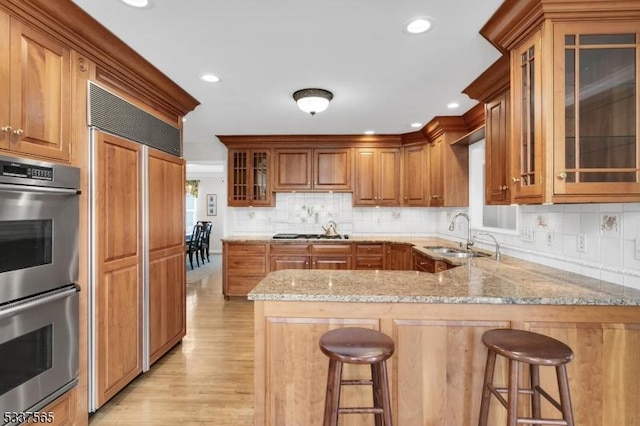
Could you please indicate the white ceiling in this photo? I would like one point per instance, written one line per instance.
(264, 50)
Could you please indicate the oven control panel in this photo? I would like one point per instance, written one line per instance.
(27, 171)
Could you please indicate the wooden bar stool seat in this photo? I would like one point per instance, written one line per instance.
(355, 345)
(536, 350)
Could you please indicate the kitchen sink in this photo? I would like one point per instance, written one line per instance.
(464, 254)
(453, 252)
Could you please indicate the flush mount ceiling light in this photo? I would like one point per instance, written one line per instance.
(416, 125)
(418, 25)
(140, 4)
(453, 105)
(313, 101)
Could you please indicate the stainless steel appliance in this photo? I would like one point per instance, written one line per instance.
(38, 227)
(39, 315)
(38, 351)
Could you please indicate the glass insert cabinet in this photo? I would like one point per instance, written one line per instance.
(250, 176)
(575, 112)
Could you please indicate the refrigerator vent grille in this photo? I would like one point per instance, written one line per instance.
(113, 114)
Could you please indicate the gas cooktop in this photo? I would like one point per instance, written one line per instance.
(309, 237)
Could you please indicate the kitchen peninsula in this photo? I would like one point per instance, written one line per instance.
(437, 321)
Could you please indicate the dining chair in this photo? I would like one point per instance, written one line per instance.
(193, 244)
(204, 240)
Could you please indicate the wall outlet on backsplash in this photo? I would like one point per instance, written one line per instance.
(637, 251)
(582, 243)
(550, 237)
(526, 234)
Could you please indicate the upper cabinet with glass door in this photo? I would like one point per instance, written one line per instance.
(575, 102)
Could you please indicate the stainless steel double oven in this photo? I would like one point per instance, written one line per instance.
(39, 297)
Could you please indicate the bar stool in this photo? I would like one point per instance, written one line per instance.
(520, 346)
(355, 345)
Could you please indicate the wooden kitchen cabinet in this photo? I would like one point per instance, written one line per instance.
(244, 266)
(370, 256)
(398, 257)
(118, 256)
(63, 411)
(289, 256)
(415, 173)
(320, 169)
(377, 177)
(167, 295)
(497, 150)
(574, 100)
(249, 175)
(35, 78)
(424, 263)
(310, 256)
(448, 172)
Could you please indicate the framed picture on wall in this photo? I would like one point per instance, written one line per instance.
(212, 204)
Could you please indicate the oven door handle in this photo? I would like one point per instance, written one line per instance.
(38, 189)
(17, 307)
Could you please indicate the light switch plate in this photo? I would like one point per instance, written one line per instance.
(637, 251)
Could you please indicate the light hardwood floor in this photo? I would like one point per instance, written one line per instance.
(205, 380)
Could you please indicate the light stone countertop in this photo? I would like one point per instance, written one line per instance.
(481, 280)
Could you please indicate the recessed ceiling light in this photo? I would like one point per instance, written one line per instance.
(453, 105)
(140, 4)
(369, 132)
(419, 25)
(416, 125)
(210, 78)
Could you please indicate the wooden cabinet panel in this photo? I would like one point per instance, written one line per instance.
(63, 410)
(241, 285)
(497, 149)
(398, 257)
(424, 263)
(280, 262)
(167, 301)
(436, 183)
(40, 95)
(599, 351)
(331, 249)
(415, 182)
(369, 256)
(118, 260)
(332, 169)
(166, 200)
(377, 177)
(289, 339)
(292, 169)
(332, 262)
(5, 79)
(286, 248)
(450, 357)
(244, 265)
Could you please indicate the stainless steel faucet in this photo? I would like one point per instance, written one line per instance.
(452, 226)
(498, 253)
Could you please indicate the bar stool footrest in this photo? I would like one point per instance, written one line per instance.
(360, 410)
(356, 382)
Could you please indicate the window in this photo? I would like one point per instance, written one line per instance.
(191, 212)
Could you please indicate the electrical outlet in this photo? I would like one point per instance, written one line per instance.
(526, 234)
(549, 238)
(637, 252)
(582, 243)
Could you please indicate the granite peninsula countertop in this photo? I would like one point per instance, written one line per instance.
(480, 280)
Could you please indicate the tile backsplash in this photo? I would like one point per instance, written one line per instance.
(597, 240)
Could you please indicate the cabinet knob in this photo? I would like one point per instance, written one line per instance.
(18, 132)
(562, 175)
(6, 129)
(368, 248)
(515, 180)
(503, 188)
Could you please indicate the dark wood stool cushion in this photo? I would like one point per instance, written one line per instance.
(356, 345)
(528, 347)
